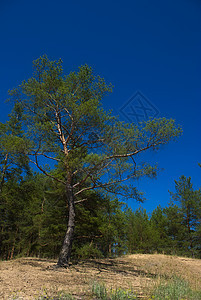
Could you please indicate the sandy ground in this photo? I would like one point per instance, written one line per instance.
(30, 278)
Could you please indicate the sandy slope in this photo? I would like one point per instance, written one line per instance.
(31, 277)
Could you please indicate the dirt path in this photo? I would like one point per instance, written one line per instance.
(33, 277)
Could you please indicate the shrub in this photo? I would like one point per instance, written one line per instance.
(88, 251)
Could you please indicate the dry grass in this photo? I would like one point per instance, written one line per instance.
(31, 277)
(164, 266)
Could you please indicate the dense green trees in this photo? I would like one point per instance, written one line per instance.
(13, 164)
(139, 233)
(64, 124)
(189, 203)
(34, 219)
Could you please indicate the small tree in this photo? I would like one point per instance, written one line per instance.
(65, 123)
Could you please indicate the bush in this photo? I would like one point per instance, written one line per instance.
(88, 251)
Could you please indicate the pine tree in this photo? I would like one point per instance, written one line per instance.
(65, 124)
(139, 232)
(159, 224)
(188, 200)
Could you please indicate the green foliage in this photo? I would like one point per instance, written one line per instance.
(139, 232)
(64, 121)
(100, 291)
(88, 251)
(175, 230)
(28, 222)
(112, 227)
(159, 224)
(189, 202)
(33, 222)
(175, 289)
(59, 125)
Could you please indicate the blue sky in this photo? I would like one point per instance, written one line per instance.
(149, 46)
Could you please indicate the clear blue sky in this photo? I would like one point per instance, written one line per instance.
(138, 45)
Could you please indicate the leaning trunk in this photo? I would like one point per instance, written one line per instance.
(65, 254)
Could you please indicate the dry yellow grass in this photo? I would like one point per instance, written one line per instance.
(30, 277)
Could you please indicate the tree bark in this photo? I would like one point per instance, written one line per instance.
(3, 173)
(65, 254)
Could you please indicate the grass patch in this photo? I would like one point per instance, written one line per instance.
(175, 289)
(100, 292)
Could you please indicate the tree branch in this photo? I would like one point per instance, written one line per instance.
(44, 172)
(103, 185)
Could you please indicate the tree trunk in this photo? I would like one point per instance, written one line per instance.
(65, 254)
(14, 242)
(110, 249)
(3, 173)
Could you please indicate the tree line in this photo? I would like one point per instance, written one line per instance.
(85, 157)
(34, 218)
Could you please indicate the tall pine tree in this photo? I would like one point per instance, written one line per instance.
(66, 124)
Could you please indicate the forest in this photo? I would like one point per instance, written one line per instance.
(67, 168)
(34, 220)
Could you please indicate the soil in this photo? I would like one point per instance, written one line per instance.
(29, 278)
